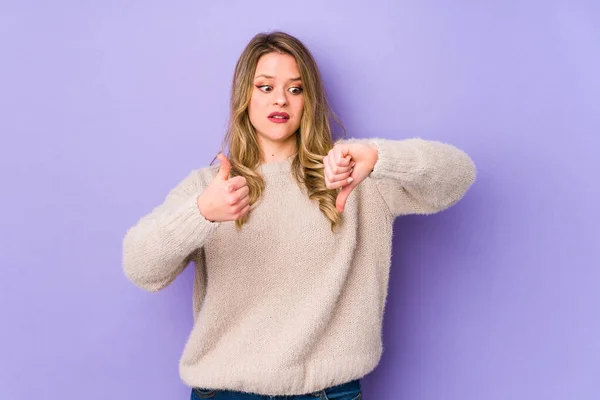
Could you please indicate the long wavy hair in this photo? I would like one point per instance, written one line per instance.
(314, 137)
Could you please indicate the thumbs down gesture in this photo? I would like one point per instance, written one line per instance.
(346, 166)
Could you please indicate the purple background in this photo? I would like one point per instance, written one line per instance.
(106, 105)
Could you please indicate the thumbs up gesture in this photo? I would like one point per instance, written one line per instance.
(224, 199)
(346, 165)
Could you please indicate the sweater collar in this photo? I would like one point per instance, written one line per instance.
(278, 166)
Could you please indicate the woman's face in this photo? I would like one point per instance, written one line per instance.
(277, 89)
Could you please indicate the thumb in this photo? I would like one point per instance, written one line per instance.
(224, 168)
(342, 196)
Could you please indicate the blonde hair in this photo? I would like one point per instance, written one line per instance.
(313, 138)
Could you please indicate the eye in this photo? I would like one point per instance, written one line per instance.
(296, 90)
(265, 88)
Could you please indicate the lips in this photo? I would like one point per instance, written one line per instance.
(278, 117)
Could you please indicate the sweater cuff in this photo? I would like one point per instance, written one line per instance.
(185, 228)
(396, 159)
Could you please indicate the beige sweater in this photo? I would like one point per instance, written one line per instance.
(285, 306)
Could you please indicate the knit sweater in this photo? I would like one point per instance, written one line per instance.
(286, 306)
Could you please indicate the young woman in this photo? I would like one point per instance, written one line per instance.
(290, 236)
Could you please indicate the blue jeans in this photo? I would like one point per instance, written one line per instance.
(346, 391)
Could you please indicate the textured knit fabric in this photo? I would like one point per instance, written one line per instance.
(286, 306)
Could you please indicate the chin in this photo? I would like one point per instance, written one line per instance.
(278, 136)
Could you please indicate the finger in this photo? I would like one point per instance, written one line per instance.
(244, 211)
(327, 173)
(340, 183)
(327, 182)
(340, 202)
(328, 169)
(342, 156)
(234, 199)
(332, 165)
(343, 179)
(336, 172)
(242, 192)
(342, 150)
(243, 202)
(225, 167)
(235, 183)
(340, 172)
(342, 176)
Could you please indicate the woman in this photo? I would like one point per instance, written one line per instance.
(290, 236)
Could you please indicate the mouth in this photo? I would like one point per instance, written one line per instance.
(278, 117)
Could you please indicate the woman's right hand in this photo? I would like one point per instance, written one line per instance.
(224, 199)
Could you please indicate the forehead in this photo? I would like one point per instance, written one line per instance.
(277, 65)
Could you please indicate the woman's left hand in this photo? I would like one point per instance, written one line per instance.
(347, 165)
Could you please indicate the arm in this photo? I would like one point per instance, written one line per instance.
(162, 243)
(416, 176)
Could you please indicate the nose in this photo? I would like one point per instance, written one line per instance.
(280, 97)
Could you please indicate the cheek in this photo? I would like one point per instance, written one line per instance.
(299, 106)
(254, 108)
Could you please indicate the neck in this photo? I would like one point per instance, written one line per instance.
(277, 151)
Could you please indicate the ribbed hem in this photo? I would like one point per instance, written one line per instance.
(306, 378)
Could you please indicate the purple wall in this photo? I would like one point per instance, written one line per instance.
(105, 107)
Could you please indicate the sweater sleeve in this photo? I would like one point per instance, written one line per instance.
(416, 176)
(162, 243)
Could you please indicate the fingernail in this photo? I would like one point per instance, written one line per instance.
(353, 163)
(350, 180)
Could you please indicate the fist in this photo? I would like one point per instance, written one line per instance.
(346, 165)
(224, 199)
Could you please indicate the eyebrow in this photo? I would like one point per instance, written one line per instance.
(272, 77)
